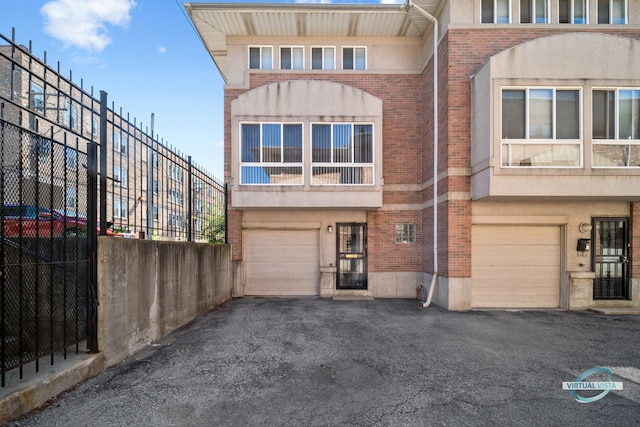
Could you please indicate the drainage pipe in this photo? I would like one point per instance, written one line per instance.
(435, 146)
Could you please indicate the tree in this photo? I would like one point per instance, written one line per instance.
(214, 227)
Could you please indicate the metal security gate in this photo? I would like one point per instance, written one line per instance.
(45, 266)
(611, 258)
(352, 256)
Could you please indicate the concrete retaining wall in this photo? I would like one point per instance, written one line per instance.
(148, 289)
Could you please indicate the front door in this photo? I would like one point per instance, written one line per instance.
(611, 258)
(352, 256)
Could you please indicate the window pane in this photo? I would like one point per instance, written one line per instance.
(292, 143)
(525, 11)
(363, 149)
(361, 58)
(487, 11)
(347, 58)
(329, 56)
(266, 58)
(629, 120)
(567, 114)
(513, 114)
(541, 11)
(564, 11)
(540, 113)
(298, 58)
(538, 155)
(604, 114)
(603, 11)
(616, 155)
(285, 58)
(321, 143)
(502, 14)
(251, 143)
(342, 143)
(316, 58)
(579, 12)
(271, 143)
(254, 57)
(617, 12)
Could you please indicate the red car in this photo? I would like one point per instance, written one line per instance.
(42, 222)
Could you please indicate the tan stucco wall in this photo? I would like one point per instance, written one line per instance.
(384, 55)
(147, 289)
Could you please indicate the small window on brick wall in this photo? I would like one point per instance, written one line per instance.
(405, 233)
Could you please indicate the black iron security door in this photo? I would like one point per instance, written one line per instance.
(352, 256)
(611, 258)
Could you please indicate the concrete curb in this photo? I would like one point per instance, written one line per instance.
(33, 392)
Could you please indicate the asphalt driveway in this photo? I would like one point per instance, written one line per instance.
(316, 362)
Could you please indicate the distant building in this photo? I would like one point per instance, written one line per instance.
(330, 138)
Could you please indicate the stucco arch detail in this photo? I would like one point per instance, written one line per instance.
(307, 98)
(570, 56)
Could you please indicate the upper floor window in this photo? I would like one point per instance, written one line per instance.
(354, 58)
(36, 97)
(176, 197)
(271, 153)
(71, 115)
(71, 158)
(120, 175)
(573, 11)
(261, 57)
(119, 208)
(405, 233)
(612, 11)
(94, 126)
(495, 11)
(541, 127)
(534, 11)
(342, 153)
(291, 58)
(323, 58)
(616, 128)
(176, 173)
(120, 143)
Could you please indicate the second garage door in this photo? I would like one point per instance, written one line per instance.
(515, 266)
(281, 262)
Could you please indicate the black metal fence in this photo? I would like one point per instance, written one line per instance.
(72, 168)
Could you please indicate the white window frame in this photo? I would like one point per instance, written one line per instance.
(264, 57)
(291, 50)
(351, 164)
(156, 213)
(616, 141)
(405, 233)
(176, 197)
(572, 13)
(527, 140)
(260, 163)
(354, 48)
(495, 12)
(176, 173)
(626, 13)
(325, 56)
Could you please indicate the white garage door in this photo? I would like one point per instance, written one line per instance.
(515, 266)
(281, 262)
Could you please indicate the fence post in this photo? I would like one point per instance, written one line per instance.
(92, 242)
(226, 216)
(189, 201)
(103, 163)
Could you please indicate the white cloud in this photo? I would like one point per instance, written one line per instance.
(162, 49)
(83, 23)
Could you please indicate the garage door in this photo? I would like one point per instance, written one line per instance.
(515, 266)
(281, 262)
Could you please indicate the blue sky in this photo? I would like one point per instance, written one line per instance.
(145, 54)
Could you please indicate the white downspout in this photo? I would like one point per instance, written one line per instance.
(433, 19)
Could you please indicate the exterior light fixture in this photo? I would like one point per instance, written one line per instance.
(585, 227)
(330, 229)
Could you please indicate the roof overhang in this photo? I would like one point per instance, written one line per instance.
(216, 21)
